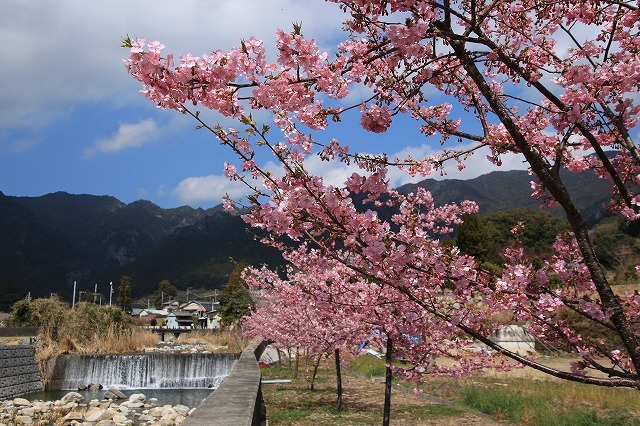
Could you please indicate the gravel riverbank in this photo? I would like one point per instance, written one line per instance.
(72, 409)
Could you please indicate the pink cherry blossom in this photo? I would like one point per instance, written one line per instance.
(553, 83)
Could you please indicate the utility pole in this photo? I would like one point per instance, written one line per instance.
(73, 304)
(95, 292)
(110, 292)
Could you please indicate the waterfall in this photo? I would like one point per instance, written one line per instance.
(142, 371)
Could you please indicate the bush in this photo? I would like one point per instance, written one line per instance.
(48, 314)
(86, 326)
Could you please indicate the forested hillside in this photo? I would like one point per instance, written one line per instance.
(49, 242)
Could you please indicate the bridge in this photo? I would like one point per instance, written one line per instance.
(163, 330)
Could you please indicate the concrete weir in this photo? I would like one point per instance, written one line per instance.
(142, 371)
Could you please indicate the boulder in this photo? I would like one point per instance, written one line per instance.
(72, 397)
(73, 415)
(40, 407)
(26, 411)
(119, 418)
(20, 402)
(138, 397)
(23, 420)
(95, 415)
(113, 393)
(183, 410)
(156, 412)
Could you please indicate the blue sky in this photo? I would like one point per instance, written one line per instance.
(71, 118)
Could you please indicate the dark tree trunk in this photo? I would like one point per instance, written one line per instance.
(295, 371)
(339, 381)
(315, 371)
(386, 415)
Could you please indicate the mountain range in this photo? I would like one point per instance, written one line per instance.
(50, 241)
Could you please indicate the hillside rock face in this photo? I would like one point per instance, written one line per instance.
(48, 242)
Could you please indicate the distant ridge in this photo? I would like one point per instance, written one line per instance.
(47, 242)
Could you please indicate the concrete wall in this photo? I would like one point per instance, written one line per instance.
(516, 339)
(18, 372)
(238, 401)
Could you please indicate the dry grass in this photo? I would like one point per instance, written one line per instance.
(226, 340)
(130, 341)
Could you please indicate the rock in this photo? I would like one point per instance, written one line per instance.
(135, 405)
(138, 397)
(119, 418)
(167, 410)
(82, 387)
(40, 407)
(106, 423)
(183, 410)
(72, 397)
(26, 411)
(146, 418)
(19, 402)
(94, 386)
(95, 415)
(70, 406)
(23, 420)
(156, 412)
(73, 415)
(123, 409)
(113, 393)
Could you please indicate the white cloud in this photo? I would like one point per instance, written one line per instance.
(476, 165)
(211, 189)
(20, 145)
(62, 53)
(142, 193)
(336, 173)
(161, 191)
(207, 189)
(128, 136)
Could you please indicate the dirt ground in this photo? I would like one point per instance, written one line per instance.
(364, 398)
(370, 393)
(363, 401)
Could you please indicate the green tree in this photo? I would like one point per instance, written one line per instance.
(474, 239)
(164, 292)
(124, 294)
(539, 232)
(617, 246)
(235, 298)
